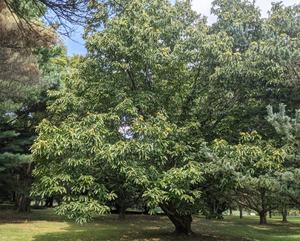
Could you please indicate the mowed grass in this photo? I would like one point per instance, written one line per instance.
(45, 225)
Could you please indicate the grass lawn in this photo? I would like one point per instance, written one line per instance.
(45, 225)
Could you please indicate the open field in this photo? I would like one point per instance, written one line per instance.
(44, 225)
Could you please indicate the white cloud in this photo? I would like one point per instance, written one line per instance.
(204, 6)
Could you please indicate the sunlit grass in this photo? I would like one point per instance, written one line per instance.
(45, 225)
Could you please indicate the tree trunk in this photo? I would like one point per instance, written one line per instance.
(215, 209)
(122, 210)
(69, 191)
(270, 214)
(262, 218)
(49, 202)
(16, 200)
(182, 222)
(36, 203)
(146, 209)
(241, 211)
(24, 204)
(284, 214)
(122, 206)
(230, 211)
(16, 196)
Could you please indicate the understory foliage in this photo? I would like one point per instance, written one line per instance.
(140, 112)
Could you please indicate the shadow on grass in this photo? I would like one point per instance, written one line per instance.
(45, 225)
(249, 229)
(135, 227)
(11, 216)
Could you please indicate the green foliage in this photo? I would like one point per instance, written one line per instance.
(28, 9)
(254, 166)
(288, 128)
(23, 94)
(11, 158)
(284, 19)
(156, 86)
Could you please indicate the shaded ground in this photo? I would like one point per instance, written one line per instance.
(45, 225)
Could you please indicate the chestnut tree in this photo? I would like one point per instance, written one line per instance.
(156, 85)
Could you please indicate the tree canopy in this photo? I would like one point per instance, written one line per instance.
(141, 111)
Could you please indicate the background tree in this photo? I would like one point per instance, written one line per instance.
(22, 98)
(279, 49)
(254, 165)
(63, 15)
(288, 128)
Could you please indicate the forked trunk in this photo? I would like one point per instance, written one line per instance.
(184, 225)
(182, 222)
(262, 218)
(122, 206)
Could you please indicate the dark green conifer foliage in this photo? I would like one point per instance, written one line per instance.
(22, 98)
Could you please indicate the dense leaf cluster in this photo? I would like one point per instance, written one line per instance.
(155, 111)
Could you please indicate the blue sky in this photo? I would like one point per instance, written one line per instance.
(201, 6)
(75, 46)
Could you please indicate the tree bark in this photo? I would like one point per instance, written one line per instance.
(16, 200)
(183, 225)
(16, 195)
(122, 211)
(181, 222)
(270, 214)
(230, 211)
(69, 191)
(24, 204)
(241, 211)
(262, 218)
(284, 214)
(121, 207)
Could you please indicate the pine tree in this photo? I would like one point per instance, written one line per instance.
(21, 83)
(289, 129)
